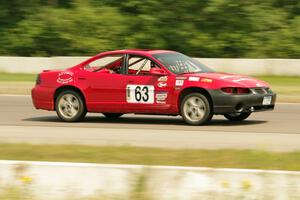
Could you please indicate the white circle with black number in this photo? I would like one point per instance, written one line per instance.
(140, 94)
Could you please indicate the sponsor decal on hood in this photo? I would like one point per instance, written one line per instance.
(193, 78)
(206, 80)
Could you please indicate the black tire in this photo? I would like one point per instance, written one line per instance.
(76, 103)
(205, 110)
(237, 117)
(112, 115)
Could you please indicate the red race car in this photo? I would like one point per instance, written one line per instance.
(149, 82)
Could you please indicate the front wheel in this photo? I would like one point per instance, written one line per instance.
(196, 109)
(69, 106)
(237, 116)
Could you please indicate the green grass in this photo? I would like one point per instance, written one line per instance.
(152, 156)
(281, 80)
(16, 77)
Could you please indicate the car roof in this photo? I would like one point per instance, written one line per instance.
(137, 51)
(142, 52)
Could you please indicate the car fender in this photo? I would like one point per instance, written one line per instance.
(74, 87)
(190, 89)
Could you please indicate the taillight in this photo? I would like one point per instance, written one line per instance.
(235, 90)
(38, 79)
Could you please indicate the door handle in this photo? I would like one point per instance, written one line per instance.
(130, 81)
(81, 78)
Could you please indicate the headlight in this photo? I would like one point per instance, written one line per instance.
(235, 90)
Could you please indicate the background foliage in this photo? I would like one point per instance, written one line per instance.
(206, 28)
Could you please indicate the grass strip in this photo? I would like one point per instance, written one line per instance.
(251, 159)
(16, 77)
(281, 80)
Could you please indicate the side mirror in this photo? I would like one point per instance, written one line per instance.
(157, 72)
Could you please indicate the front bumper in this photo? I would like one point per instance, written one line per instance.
(226, 103)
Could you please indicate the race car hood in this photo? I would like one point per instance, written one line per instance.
(231, 80)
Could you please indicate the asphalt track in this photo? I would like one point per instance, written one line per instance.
(278, 130)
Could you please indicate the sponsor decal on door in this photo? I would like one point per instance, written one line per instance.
(161, 97)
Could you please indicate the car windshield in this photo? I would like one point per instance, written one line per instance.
(181, 64)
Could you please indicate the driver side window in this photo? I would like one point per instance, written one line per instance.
(110, 63)
(139, 65)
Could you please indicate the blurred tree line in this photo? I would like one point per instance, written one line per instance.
(201, 28)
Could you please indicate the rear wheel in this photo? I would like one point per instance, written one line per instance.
(112, 115)
(69, 106)
(237, 116)
(196, 109)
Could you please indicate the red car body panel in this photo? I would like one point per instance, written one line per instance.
(105, 92)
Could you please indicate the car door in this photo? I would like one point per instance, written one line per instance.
(145, 92)
(105, 89)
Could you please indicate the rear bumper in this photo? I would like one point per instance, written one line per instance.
(42, 98)
(225, 103)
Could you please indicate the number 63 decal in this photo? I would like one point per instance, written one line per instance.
(140, 93)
